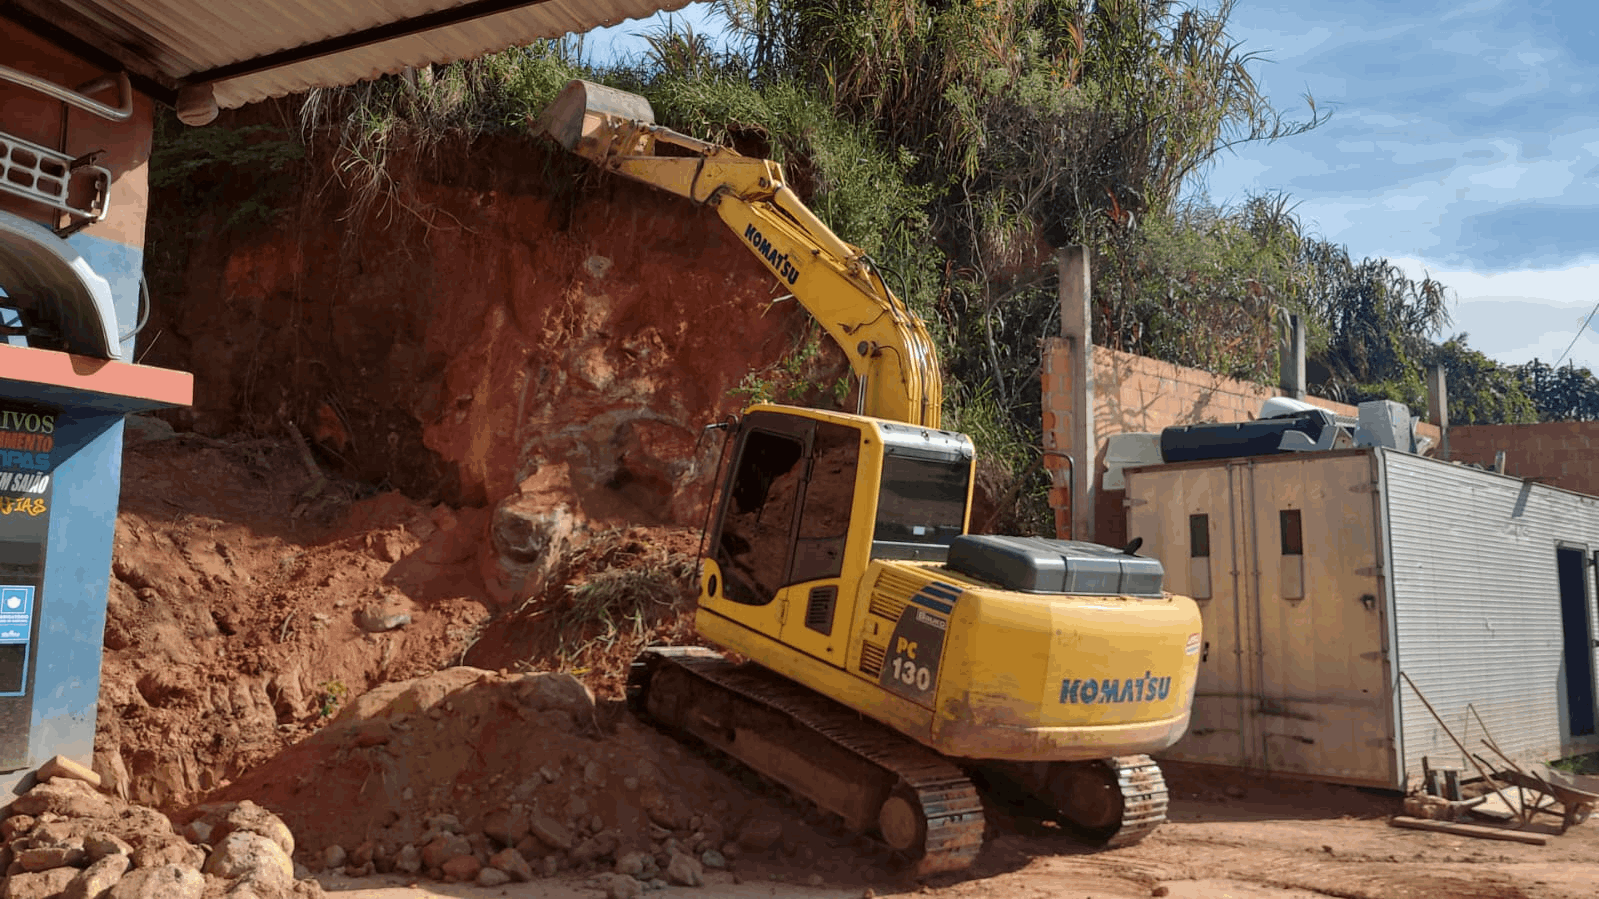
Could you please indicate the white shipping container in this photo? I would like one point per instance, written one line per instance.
(1322, 576)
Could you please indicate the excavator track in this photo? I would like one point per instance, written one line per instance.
(926, 809)
(1111, 802)
(1144, 798)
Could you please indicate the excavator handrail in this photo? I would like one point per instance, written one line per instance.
(888, 346)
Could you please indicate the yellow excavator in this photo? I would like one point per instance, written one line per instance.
(896, 664)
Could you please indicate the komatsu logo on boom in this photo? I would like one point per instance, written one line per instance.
(777, 260)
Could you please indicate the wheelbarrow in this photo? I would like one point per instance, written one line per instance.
(1547, 793)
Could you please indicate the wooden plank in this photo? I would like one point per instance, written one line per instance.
(1468, 830)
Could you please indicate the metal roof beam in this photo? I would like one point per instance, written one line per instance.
(138, 69)
(466, 12)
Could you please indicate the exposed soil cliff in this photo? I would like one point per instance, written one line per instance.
(501, 322)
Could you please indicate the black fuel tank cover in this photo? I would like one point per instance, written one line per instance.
(1042, 565)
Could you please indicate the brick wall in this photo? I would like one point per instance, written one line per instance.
(1560, 453)
(1134, 394)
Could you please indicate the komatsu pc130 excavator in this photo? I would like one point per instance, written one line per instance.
(896, 663)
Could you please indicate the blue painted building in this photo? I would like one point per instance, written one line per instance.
(72, 207)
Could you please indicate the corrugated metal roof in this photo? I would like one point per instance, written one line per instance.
(176, 42)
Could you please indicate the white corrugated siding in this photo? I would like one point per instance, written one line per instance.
(181, 37)
(1477, 607)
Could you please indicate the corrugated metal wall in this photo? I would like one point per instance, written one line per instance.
(1477, 607)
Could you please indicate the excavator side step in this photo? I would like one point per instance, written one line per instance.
(880, 781)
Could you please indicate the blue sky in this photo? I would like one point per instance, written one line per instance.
(1463, 143)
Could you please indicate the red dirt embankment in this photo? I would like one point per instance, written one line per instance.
(500, 359)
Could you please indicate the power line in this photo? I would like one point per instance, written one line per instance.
(1578, 334)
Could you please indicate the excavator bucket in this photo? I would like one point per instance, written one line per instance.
(584, 108)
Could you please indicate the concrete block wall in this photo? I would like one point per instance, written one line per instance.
(1559, 453)
(1134, 394)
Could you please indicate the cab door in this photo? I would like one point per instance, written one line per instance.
(783, 528)
(817, 591)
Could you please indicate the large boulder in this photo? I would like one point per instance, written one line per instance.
(253, 857)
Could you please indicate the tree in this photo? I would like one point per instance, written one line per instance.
(1481, 391)
(1560, 394)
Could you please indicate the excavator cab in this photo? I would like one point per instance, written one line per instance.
(810, 499)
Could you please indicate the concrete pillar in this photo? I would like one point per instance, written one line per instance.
(1292, 377)
(1081, 444)
(1438, 407)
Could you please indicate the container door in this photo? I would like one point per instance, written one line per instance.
(1188, 520)
(1318, 619)
(1577, 639)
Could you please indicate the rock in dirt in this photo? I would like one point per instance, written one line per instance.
(408, 860)
(556, 692)
(443, 823)
(710, 858)
(374, 620)
(760, 834)
(43, 858)
(508, 826)
(492, 877)
(334, 857)
(160, 882)
(620, 886)
(462, 868)
(95, 881)
(551, 832)
(528, 538)
(99, 843)
(247, 817)
(252, 856)
(38, 885)
(633, 863)
(12, 827)
(155, 849)
(443, 848)
(685, 871)
(61, 766)
(512, 863)
(64, 796)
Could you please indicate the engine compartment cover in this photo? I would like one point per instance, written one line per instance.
(1042, 565)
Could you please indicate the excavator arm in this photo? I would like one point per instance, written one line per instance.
(888, 346)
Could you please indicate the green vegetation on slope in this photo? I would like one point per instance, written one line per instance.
(960, 143)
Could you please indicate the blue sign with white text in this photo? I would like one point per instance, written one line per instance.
(16, 614)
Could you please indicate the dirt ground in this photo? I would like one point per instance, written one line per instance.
(247, 657)
(1230, 837)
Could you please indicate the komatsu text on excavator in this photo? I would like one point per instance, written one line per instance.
(896, 662)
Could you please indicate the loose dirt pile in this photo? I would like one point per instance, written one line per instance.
(466, 770)
(276, 635)
(244, 608)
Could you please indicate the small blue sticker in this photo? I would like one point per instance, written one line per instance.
(16, 614)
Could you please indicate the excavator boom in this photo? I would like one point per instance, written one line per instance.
(888, 346)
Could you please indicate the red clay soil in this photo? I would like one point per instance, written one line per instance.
(503, 321)
(233, 621)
